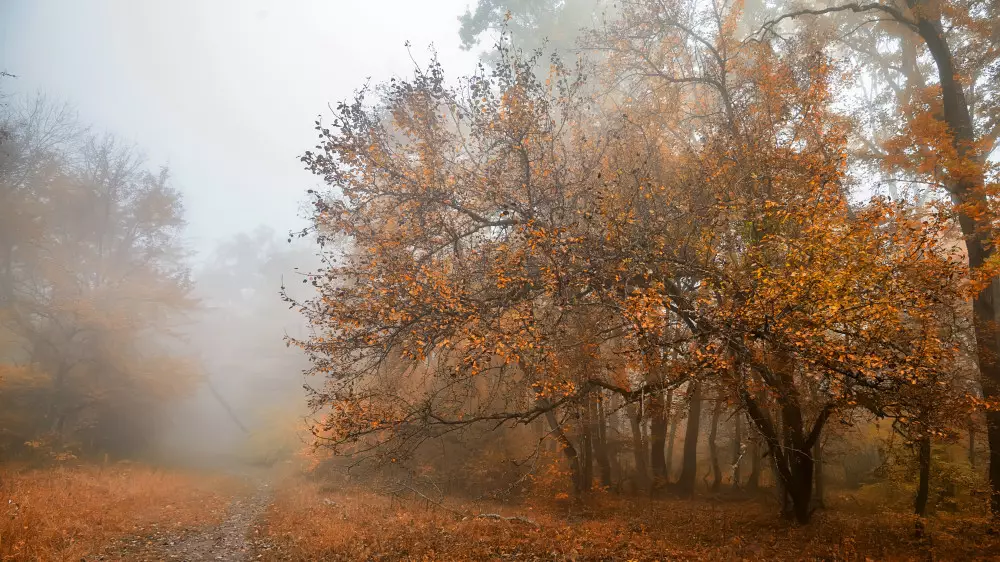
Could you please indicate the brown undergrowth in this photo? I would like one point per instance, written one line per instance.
(308, 523)
(67, 513)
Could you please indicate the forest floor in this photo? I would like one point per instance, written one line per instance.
(230, 538)
(142, 514)
(68, 513)
(309, 521)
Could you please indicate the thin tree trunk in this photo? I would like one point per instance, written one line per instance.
(638, 448)
(713, 449)
(601, 444)
(587, 448)
(753, 482)
(782, 489)
(780, 464)
(613, 416)
(658, 439)
(738, 449)
(672, 435)
(644, 431)
(759, 446)
(924, 460)
(689, 464)
(818, 477)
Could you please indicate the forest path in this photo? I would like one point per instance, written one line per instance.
(229, 541)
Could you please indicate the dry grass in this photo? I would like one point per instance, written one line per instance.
(305, 523)
(67, 513)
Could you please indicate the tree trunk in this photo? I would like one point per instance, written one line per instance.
(638, 448)
(689, 465)
(753, 482)
(792, 450)
(658, 439)
(673, 434)
(737, 448)
(713, 449)
(974, 223)
(993, 434)
(924, 460)
(601, 444)
(782, 490)
(800, 485)
(972, 447)
(613, 415)
(587, 447)
(644, 432)
(818, 478)
(571, 455)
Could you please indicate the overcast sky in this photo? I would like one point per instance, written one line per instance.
(223, 91)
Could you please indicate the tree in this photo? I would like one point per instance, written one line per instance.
(517, 247)
(948, 132)
(529, 24)
(93, 277)
(651, 45)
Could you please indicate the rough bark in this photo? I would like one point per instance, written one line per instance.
(972, 447)
(689, 464)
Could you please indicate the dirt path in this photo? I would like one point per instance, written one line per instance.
(229, 541)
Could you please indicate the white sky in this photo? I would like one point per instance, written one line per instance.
(225, 92)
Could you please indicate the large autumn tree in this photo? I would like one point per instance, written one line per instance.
(697, 238)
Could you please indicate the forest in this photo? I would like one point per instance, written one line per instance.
(652, 280)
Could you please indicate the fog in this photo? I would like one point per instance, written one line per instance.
(225, 95)
(643, 273)
(226, 92)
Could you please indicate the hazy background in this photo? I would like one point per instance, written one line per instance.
(223, 91)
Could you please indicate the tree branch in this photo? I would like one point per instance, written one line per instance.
(855, 7)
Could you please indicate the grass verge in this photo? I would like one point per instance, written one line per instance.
(68, 513)
(306, 522)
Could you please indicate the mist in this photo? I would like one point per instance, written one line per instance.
(227, 111)
(499, 279)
